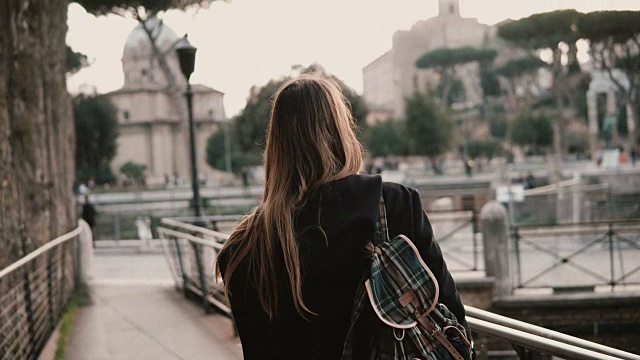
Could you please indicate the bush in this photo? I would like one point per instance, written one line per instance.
(488, 148)
(531, 130)
(134, 172)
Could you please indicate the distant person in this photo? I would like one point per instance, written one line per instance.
(244, 173)
(89, 215)
(529, 182)
(91, 184)
(82, 189)
(293, 265)
(622, 156)
(633, 154)
(468, 167)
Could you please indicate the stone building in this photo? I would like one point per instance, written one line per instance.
(394, 76)
(153, 119)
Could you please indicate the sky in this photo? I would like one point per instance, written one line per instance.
(242, 43)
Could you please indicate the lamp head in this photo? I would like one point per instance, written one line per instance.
(187, 56)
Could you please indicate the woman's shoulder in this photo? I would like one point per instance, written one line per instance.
(395, 192)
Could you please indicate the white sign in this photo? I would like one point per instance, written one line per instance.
(514, 192)
(611, 159)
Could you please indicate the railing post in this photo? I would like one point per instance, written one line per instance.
(516, 241)
(29, 309)
(493, 223)
(184, 275)
(474, 232)
(610, 235)
(203, 280)
(85, 243)
(77, 264)
(63, 278)
(52, 318)
(116, 226)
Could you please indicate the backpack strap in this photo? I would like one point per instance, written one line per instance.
(382, 227)
(361, 298)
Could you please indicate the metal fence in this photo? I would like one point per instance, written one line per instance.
(33, 294)
(459, 238)
(191, 252)
(577, 255)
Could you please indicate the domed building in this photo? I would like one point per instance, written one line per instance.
(152, 109)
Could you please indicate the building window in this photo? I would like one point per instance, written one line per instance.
(125, 114)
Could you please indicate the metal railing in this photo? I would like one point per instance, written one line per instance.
(33, 294)
(577, 255)
(459, 238)
(191, 252)
(535, 342)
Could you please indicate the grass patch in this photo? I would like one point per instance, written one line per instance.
(80, 297)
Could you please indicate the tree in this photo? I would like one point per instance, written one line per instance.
(429, 129)
(520, 71)
(251, 123)
(36, 127)
(487, 147)
(387, 138)
(134, 172)
(614, 38)
(75, 60)
(445, 60)
(532, 130)
(556, 31)
(455, 89)
(96, 126)
(216, 151)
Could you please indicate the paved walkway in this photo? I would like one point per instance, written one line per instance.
(137, 314)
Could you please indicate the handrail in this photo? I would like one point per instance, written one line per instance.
(592, 224)
(25, 259)
(199, 229)
(189, 237)
(35, 290)
(535, 342)
(499, 322)
(517, 333)
(209, 218)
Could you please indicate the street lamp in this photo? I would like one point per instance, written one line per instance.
(187, 57)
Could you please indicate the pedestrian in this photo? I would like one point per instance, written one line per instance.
(633, 155)
(468, 166)
(292, 266)
(529, 182)
(244, 173)
(89, 215)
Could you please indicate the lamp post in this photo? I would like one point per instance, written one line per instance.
(187, 57)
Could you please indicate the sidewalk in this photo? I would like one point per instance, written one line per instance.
(136, 313)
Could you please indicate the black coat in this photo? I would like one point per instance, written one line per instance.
(332, 269)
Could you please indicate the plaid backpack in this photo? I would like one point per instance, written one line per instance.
(404, 295)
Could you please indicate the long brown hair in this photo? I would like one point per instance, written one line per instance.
(310, 142)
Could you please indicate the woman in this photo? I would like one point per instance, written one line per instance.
(292, 266)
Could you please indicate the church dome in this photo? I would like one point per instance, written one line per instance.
(140, 69)
(138, 43)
